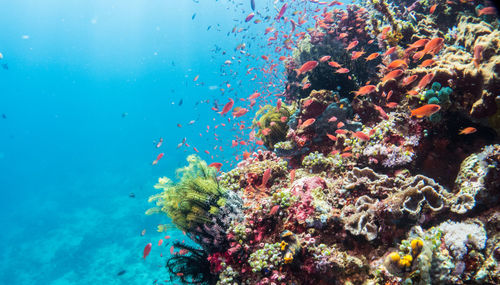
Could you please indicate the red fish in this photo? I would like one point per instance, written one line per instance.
(308, 122)
(392, 75)
(341, 132)
(478, 55)
(390, 51)
(352, 45)
(346, 154)
(434, 46)
(147, 250)
(227, 107)
(381, 111)
(340, 125)
(433, 8)
(160, 242)
(356, 54)
(196, 77)
(487, 11)
(158, 158)
(391, 105)
(332, 119)
(427, 62)
(278, 104)
(425, 111)
(365, 90)
(216, 165)
(172, 249)
(167, 237)
(292, 175)
(342, 70)
(308, 66)
(254, 96)
(283, 119)
(362, 136)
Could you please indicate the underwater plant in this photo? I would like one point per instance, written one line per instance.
(191, 268)
(272, 123)
(197, 204)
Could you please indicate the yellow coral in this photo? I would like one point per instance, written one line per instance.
(406, 261)
(288, 258)
(283, 245)
(416, 247)
(394, 257)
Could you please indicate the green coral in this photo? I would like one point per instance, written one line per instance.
(268, 257)
(192, 201)
(269, 118)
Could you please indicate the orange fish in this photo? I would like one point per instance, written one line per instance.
(160, 242)
(274, 210)
(425, 111)
(264, 57)
(425, 80)
(372, 56)
(341, 132)
(362, 136)
(427, 62)
(390, 51)
(216, 165)
(227, 107)
(392, 75)
(308, 66)
(346, 154)
(419, 43)
(324, 58)
(342, 70)
(334, 64)
(265, 178)
(343, 35)
(468, 130)
(196, 77)
(308, 122)
(433, 8)
(254, 96)
(487, 11)
(352, 45)
(409, 79)
(332, 137)
(391, 105)
(365, 90)
(332, 119)
(356, 54)
(434, 46)
(292, 175)
(397, 63)
(340, 125)
(240, 112)
(158, 158)
(147, 250)
(167, 237)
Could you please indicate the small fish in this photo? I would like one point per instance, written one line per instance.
(342, 70)
(487, 11)
(397, 63)
(143, 232)
(365, 90)
(334, 64)
(227, 107)
(158, 158)
(265, 178)
(325, 58)
(266, 131)
(357, 54)
(392, 75)
(160, 242)
(425, 80)
(278, 104)
(292, 176)
(172, 249)
(159, 143)
(427, 62)
(131, 195)
(252, 5)
(346, 154)
(216, 165)
(433, 8)
(282, 11)
(340, 125)
(283, 119)
(249, 17)
(196, 78)
(240, 112)
(478, 55)
(362, 136)
(340, 132)
(467, 131)
(391, 105)
(409, 79)
(332, 137)
(308, 66)
(426, 110)
(389, 51)
(372, 56)
(254, 96)
(147, 250)
(121, 273)
(381, 111)
(352, 45)
(194, 16)
(274, 210)
(308, 122)
(434, 46)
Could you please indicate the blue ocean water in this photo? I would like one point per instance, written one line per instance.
(87, 89)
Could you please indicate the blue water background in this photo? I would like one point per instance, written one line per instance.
(90, 86)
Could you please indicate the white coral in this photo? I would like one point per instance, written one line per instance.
(458, 235)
